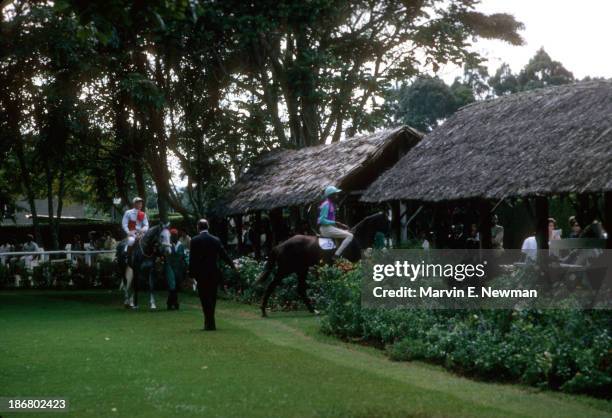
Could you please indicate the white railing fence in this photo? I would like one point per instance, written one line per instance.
(34, 258)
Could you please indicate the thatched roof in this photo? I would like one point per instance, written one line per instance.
(283, 178)
(541, 142)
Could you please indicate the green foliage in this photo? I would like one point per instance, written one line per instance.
(540, 71)
(559, 349)
(243, 287)
(427, 101)
(110, 92)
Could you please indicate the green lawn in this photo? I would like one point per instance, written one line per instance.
(110, 362)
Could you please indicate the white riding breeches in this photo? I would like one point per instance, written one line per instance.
(330, 231)
(131, 239)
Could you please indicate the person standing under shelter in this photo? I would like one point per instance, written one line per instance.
(204, 253)
(530, 249)
(497, 234)
(30, 245)
(575, 229)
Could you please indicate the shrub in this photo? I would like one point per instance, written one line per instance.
(243, 287)
(569, 350)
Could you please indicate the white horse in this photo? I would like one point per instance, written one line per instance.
(154, 243)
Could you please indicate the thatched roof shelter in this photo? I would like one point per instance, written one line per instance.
(546, 141)
(284, 178)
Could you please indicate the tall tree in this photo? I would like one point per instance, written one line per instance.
(540, 71)
(16, 72)
(330, 63)
(205, 86)
(427, 101)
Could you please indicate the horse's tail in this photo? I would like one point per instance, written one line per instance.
(269, 266)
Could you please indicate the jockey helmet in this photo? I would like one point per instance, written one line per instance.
(137, 199)
(330, 190)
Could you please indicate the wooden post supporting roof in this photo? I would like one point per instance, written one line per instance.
(276, 225)
(257, 235)
(541, 212)
(607, 217)
(484, 209)
(239, 233)
(296, 219)
(396, 223)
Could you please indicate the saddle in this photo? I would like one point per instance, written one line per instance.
(326, 243)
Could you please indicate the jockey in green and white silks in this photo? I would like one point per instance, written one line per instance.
(328, 226)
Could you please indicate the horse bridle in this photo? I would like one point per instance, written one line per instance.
(155, 245)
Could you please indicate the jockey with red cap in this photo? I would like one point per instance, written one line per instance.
(134, 222)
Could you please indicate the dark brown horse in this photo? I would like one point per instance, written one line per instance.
(300, 252)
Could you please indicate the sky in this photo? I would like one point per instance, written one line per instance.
(576, 33)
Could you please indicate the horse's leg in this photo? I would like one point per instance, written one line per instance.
(127, 281)
(151, 281)
(135, 280)
(301, 288)
(269, 289)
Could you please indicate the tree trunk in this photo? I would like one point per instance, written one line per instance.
(120, 183)
(308, 102)
(27, 184)
(60, 206)
(122, 137)
(141, 187)
(50, 209)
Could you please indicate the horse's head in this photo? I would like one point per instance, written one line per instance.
(156, 241)
(366, 230)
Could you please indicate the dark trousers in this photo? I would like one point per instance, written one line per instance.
(208, 298)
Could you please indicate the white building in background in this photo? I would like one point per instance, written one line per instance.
(22, 214)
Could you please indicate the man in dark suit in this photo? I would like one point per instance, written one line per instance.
(205, 250)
